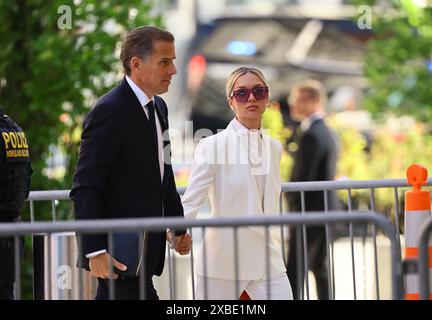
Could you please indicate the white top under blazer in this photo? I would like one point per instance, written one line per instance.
(228, 169)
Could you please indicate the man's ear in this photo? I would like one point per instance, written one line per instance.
(135, 63)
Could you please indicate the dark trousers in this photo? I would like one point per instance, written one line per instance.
(126, 289)
(317, 260)
(7, 268)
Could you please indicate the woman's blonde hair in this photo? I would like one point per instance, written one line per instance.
(237, 73)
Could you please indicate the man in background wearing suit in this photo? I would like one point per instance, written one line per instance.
(315, 160)
(124, 169)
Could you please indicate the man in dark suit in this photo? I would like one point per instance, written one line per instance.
(124, 170)
(315, 160)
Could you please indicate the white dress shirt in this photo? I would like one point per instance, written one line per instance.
(256, 152)
(143, 100)
(307, 122)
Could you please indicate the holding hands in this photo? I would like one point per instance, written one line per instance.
(182, 244)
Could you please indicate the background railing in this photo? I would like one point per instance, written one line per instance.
(141, 225)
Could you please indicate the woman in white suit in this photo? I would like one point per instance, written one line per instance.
(238, 169)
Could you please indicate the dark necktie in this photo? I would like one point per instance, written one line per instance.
(152, 121)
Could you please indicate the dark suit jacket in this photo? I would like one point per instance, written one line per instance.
(118, 175)
(315, 160)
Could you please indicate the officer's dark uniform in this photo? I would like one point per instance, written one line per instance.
(15, 172)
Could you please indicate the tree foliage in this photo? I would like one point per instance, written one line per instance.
(398, 64)
(53, 72)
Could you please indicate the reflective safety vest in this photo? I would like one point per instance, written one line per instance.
(15, 168)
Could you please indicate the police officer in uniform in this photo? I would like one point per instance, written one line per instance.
(15, 172)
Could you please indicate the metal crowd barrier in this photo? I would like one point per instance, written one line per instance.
(325, 186)
(349, 186)
(140, 225)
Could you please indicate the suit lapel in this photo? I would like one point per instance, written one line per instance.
(165, 139)
(162, 121)
(160, 114)
(140, 122)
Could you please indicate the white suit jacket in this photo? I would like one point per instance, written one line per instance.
(221, 170)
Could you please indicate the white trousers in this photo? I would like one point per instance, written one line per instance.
(220, 289)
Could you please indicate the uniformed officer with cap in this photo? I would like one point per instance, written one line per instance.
(15, 173)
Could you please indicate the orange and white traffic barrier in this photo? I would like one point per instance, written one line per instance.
(417, 210)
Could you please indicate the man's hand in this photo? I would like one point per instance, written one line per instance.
(99, 266)
(182, 244)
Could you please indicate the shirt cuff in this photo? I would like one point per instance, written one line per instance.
(94, 254)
